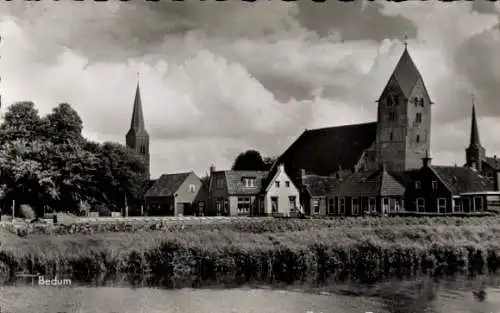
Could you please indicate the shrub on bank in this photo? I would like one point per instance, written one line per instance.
(193, 258)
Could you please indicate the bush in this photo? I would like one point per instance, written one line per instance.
(27, 212)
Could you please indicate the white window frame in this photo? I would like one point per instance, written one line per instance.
(420, 203)
(418, 185)
(249, 182)
(293, 208)
(386, 207)
(192, 188)
(316, 206)
(434, 185)
(355, 208)
(331, 206)
(474, 204)
(441, 204)
(342, 206)
(457, 205)
(277, 204)
(244, 205)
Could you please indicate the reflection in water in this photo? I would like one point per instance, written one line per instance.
(415, 296)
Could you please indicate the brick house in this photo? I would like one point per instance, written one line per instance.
(449, 189)
(174, 194)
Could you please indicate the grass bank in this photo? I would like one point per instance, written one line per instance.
(198, 257)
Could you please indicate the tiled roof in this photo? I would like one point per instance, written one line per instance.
(463, 179)
(406, 73)
(371, 184)
(493, 162)
(320, 185)
(322, 151)
(167, 185)
(235, 185)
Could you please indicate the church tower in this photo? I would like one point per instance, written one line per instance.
(475, 153)
(403, 118)
(137, 137)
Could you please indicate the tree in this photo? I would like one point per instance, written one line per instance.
(64, 125)
(21, 121)
(250, 160)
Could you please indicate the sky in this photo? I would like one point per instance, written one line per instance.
(218, 78)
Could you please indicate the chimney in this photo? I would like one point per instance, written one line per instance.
(426, 161)
(281, 167)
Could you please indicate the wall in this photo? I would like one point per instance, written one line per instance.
(282, 192)
(426, 176)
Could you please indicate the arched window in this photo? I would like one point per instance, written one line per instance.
(143, 149)
(418, 138)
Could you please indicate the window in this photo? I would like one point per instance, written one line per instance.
(396, 205)
(402, 204)
(421, 102)
(441, 204)
(372, 205)
(415, 101)
(390, 101)
(249, 182)
(201, 208)
(420, 204)
(219, 205)
(355, 206)
(457, 205)
(478, 204)
(342, 206)
(396, 100)
(434, 185)
(293, 203)
(385, 205)
(315, 206)
(417, 185)
(331, 206)
(418, 138)
(274, 204)
(277, 183)
(392, 116)
(244, 205)
(192, 188)
(287, 184)
(418, 118)
(143, 149)
(391, 136)
(219, 183)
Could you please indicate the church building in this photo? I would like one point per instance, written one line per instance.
(399, 138)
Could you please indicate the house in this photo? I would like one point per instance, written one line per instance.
(237, 193)
(398, 138)
(368, 192)
(174, 194)
(314, 193)
(281, 196)
(253, 193)
(449, 189)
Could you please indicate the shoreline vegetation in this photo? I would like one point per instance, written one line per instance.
(270, 251)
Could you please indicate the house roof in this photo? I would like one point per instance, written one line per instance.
(493, 162)
(167, 185)
(463, 179)
(235, 185)
(318, 186)
(371, 184)
(321, 151)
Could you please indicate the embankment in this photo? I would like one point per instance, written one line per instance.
(195, 257)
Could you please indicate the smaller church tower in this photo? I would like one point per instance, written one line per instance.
(475, 153)
(137, 137)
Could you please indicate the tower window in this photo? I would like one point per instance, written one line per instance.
(396, 100)
(143, 149)
(418, 138)
(392, 116)
(418, 118)
(391, 136)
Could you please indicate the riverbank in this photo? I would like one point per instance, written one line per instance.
(186, 258)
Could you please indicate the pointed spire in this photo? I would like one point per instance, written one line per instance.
(474, 130)
(406, 72)
(137, 122)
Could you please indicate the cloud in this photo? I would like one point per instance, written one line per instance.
(220, 78)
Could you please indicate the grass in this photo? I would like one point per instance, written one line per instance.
(277, 251)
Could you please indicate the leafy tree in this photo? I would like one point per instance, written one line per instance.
(21, 121)
(64, 125)
(250, 160)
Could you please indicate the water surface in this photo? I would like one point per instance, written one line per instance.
(410, 296)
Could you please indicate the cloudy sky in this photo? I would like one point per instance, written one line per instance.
(220, 78)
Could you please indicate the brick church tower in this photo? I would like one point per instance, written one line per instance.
(403, 118)
(137, 137)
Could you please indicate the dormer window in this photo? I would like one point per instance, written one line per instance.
(249, 182)
(192, 188)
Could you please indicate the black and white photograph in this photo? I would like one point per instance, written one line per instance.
(241, 157)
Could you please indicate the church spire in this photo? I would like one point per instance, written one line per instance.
(137, 122)
(474, 130)
(406, 72)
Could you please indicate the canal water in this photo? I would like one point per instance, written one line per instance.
(480, 295)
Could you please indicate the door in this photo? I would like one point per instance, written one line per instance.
(274, 205)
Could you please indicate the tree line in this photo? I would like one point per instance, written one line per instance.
(45, 162)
